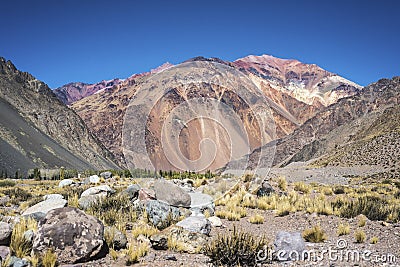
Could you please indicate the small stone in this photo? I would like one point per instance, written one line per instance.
(215, 221)
(170, 258)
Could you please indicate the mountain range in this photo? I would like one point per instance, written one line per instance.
(319, 116)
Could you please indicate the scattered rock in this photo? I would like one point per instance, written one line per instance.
(85, 202)
(170, 258)
(266, 189)
(193, 242)
(160, 214)
(53, 196)
(93, 179)
(132, 191)
(201, 202)
(106, 175)
(40, 209)
(5, 233)
(103, 190)
(215, 221)
(4, 252)
(119, 240)
(197, 224)
(4, 200)
(171, 194)
(65, 182)
(285, 243)
(17, 262)
(75, 236)
(159, 242)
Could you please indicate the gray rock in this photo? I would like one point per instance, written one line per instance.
(94, 179)
(194, 242)
(106, 175)
(44, 207)
(197, 224)
(288, 245)
(171, 194)
(132, 191)
(159, 242)
(215, 221)
(53, 196)
(119, 240)
(65, 182)
(4, 252)
(266, 189)
(85, 202)
(97, 190)
(160, 214)
(74, 235)
(4, 200)
(5, 233)
(201, 202)
(17, 262)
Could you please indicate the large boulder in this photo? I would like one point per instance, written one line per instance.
(75, 236)
(40, 209)
(196, 224)
(200, 202)
(171, 194)
(94, 194)
(289, 246)
(5, 233)
(160, 214)
(101, 190)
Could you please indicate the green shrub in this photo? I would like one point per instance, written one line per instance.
(237, 249)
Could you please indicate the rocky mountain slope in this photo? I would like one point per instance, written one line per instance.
(75, 91)
(359, 130)
(37, 130)
(295, 92)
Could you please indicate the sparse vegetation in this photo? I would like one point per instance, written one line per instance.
(360, 236)
(314, 234)
(374, 240)
(282, 183)
(302, 187)
(135, 251)
(49, 259)
(19, 246)
(343, 229)
(237, 249)
(256, 219)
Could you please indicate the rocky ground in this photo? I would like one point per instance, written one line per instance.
(153, 222)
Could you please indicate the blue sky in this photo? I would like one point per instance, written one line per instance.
(88, 41)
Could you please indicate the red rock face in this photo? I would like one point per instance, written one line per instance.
(295, 92)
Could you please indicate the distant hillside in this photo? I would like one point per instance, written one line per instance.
(359, 130)
(37, 130)
(294, 90)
